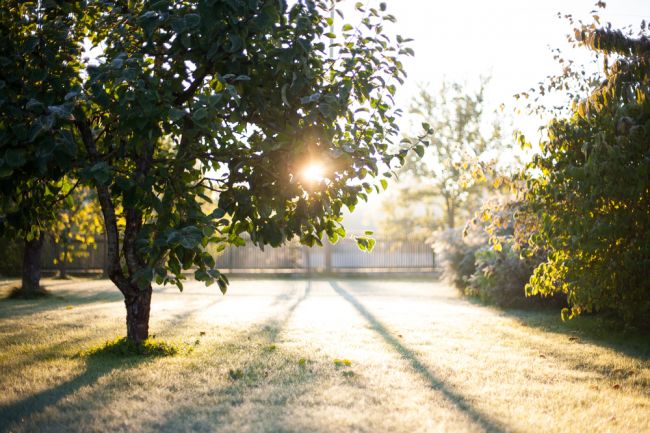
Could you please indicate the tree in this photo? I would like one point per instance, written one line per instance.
(40, 54)
(449, 176)
(589, 188)
(76, 228)
(185, 99)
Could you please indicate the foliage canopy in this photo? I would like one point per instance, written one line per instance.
(170, 108)
(589, 189)
(443, 185)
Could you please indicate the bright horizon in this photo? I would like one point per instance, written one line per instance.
(508, 40)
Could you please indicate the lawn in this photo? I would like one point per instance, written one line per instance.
(291, 355)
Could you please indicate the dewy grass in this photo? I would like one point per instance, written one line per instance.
(272, 356)
(122, 347)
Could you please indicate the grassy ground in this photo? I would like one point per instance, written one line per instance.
(320, 356)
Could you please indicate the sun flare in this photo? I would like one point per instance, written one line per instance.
(314, 172)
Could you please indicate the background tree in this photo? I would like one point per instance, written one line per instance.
(76, 228)
(40, 55)
(442, 187)
(183, 99)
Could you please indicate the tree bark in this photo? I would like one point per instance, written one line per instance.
(63, 270)
(450, 210)
(63, 266)
(451, 217)
(138, 307)
(31, 272)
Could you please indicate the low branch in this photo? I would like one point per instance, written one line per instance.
(189, 92)
(114, 268)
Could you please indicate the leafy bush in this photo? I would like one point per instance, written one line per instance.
(455, 255)
(590, 190)
(501, 275)
(490, 259)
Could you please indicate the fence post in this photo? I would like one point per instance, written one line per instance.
(328, 257)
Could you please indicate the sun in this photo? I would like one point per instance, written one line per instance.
(313, 172)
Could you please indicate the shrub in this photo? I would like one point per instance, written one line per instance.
(590, 190)
(455, 255)
(500, 277)
(491, 259)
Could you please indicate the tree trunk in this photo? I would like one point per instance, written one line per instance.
(63, 264)
(137, 301)
(63, 271)
(138, 307)
(450, 210)
(451, 217)
(31, 273)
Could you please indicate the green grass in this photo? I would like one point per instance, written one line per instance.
(292, 356)
(123, 348)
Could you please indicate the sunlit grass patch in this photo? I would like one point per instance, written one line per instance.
(268, 358)
(342, 362)
(122, 347)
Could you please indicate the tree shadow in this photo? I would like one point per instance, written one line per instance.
(102, 365)
(94, 369)
(481, 419)
(591, 330)
(267, 365)
(59, 299)
(96, 366)
(596, 330)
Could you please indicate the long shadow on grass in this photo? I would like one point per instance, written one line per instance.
(96, 367)
(57, 300)
(484, 421)
(591, 330)
(267, 365)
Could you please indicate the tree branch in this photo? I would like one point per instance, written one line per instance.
(192, 88)
(113, 268)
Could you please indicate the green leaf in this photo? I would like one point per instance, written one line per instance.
(222, 281)
(101, 172)
(236, 43)
(143, 277)
(283, 94)
(5, 171)
(200, 115)
(365, 243)
(190, 237)
(175, 114)
(15, 158)
(192, 20)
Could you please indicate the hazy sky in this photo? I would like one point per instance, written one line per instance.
(508, 39)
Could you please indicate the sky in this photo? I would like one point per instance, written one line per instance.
(509, 40)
